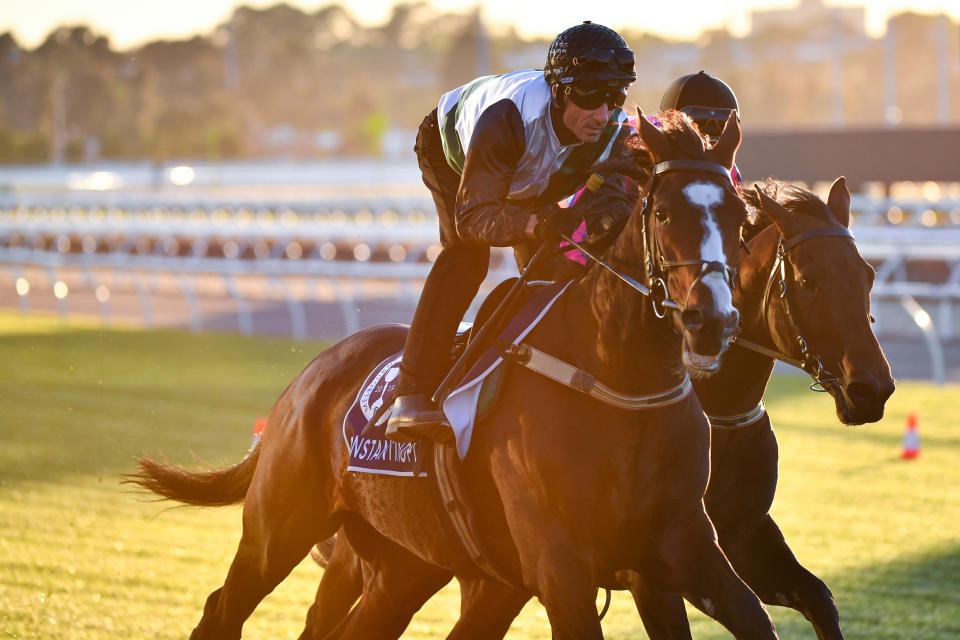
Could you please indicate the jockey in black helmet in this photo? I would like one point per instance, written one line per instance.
(497, 154)
(706, 99)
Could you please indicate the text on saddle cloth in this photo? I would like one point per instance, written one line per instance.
(375, 454)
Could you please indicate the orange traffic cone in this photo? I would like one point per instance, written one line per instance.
(258, 426)
(911, 439)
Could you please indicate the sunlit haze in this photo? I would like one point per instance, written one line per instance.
(131, 23)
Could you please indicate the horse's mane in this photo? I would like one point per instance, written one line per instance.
(632, 159)
(794, 199)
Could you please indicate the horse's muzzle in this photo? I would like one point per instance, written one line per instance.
(863, 399)
(708, 330)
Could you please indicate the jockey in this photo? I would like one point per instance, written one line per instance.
(708, 101)
(497, 154)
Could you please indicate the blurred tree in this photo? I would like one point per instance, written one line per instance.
(280, 71)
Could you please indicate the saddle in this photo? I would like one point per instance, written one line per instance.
(468, 402)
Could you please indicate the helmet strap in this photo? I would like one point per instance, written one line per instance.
(556, 97)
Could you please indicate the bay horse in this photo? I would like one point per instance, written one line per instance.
(804, 297)
(565, 490)
(822, 308)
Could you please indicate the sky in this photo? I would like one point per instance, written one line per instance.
(130, 22)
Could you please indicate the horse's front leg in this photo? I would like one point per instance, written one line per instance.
(694, 566)
(762, 558)
(340, 587)
(487, 608)
(663, 614)
(565, 586)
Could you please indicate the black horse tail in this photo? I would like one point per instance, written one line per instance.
(216, 488)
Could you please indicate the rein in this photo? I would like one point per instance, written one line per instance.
(808, 360)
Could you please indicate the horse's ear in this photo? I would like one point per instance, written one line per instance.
(839, 201)
(777, 212)
(653, 139)
(729, 142)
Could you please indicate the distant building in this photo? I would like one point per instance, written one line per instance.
(813, 16)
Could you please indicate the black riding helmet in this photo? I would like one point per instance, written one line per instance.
(707, 100)
(591, 64)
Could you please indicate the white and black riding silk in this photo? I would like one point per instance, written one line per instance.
(498, 134)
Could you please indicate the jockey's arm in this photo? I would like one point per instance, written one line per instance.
(483, 213)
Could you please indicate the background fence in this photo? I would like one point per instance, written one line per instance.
(327, 267)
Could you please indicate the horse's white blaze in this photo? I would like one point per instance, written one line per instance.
(707, 195)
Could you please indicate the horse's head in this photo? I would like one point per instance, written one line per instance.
(821, 312)
(692, 221)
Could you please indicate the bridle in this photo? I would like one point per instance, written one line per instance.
(656, 267)
(809, 361)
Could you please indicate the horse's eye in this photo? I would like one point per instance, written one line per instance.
(808, 283)
(872, 319)
(662, 216)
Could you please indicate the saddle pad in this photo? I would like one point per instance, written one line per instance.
(375, 454)
(460, 406)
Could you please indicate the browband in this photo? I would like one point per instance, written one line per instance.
(683, 164)
(836, 232)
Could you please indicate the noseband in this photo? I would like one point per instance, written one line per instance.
(808, 360)
(656, 267)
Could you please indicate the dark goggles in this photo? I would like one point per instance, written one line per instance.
(599, 58)
(709, 121)
(596, 97)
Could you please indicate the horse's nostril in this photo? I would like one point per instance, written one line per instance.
(692, 318)
(733, 320)
(860, 391)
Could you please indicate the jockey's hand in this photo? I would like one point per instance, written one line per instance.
(607, 208)
(557, 222)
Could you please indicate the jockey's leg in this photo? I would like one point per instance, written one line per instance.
(450, 287)
(447, 293)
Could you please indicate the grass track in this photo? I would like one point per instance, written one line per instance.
(80, 558)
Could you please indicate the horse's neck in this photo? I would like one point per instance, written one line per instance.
(629, 347)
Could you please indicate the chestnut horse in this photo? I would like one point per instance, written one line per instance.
(565, 490)
(826, 291)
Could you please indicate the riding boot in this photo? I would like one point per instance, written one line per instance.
(447, 293)
(414, 417)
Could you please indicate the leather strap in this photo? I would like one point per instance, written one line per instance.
(738, 421)
(829, 232)
(770, 353)
(453, 502)
(682, 164)
(582, 381)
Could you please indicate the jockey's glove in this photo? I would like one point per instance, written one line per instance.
(556, 222)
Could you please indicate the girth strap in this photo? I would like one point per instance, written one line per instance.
(453, 503)
(738, 421)
(571, 376)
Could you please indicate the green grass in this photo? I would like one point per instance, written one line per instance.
(82, 558)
